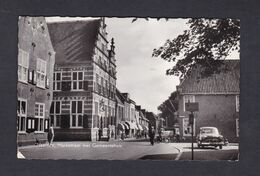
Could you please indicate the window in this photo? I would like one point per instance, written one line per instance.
(57, 81)
(237, 127)
(39, 114)
(96, 117)
(30, 124)
(23, 65)
(102, 85)
(186, 99)
(41, 72)
(237, 103)
(76, 114)
(21, 115)
(187, 127)
(77, 80)
(96, 108)
(56, 113)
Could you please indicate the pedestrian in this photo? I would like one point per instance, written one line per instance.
(123, 135)
(99, 134)
(50, 135)
(112, 134)
(108, 134)
(151, 135)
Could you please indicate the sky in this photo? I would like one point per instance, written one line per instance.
(138, 73)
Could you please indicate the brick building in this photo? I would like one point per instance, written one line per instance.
(218, 98)
(84, 80)
(35, 69)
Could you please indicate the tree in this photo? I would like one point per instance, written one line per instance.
(169, 107)
(207, 43)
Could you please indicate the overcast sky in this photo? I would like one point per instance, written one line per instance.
(137, 72)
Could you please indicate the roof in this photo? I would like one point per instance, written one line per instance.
(73, 41)
(120, 96)
(225, 82)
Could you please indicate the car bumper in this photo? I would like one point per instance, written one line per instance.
(210, 143)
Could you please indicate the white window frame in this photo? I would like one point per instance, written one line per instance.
(237, 103)
(39, 116)
(186, 98)
(23, 66)
(22, 115)
(55, 81)
(77, 81)
(76, 113)
(54, 114)
(31, 123)
(183, 129)
(41, 69)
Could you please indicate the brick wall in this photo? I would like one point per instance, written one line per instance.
(33, 38)
(216, 111)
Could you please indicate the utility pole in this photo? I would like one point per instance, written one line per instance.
(192, 107)
(191, 119)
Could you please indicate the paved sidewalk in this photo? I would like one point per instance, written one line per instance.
(116, 150)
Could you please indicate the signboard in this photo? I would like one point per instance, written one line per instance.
(192, 107)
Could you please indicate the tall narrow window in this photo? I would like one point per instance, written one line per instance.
(56, 114)
(237, 127)
(39, 114)
(77, 80)
(21, 115)
(237, 103)
(96, 117)
(187, 127)
(77, 114)
(23, 65)
(41, 72)
(57, 81)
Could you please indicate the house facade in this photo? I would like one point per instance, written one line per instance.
(84, 80)
(218, 98)
(36, 58)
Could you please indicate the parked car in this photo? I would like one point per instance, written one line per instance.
(210, 136)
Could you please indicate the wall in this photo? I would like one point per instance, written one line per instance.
(33, 37)
(216, 111)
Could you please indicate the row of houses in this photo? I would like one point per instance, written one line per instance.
(67, 78)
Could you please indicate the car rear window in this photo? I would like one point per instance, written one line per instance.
(207, 130)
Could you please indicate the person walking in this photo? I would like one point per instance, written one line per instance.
(99, 134)
(50, 135)
(152, 135)
(108, 134)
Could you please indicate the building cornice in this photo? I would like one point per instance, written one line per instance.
(211, 93)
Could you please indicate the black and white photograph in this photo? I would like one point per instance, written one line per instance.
(110, 88)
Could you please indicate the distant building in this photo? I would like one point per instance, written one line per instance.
(34, 89)
(84, 80)
(218, 98)
(120, 115)
(141, 121)
(153, 120)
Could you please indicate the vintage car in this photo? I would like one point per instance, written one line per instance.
(210, 136)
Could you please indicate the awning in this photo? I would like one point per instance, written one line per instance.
(121, 126)
(139, 127)
(127, 127)
(145, 127)
(132, 125)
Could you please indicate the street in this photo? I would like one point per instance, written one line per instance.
(127, 150)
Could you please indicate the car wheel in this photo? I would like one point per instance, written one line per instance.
(220, 147)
